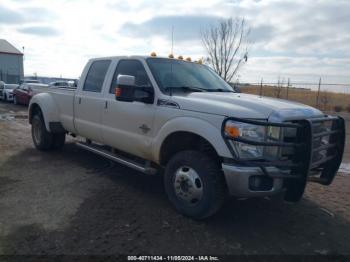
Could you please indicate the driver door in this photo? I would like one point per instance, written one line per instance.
(128, 126)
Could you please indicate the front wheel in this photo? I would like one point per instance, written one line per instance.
(194, 184)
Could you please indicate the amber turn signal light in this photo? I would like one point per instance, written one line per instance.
(118, 91)
(232, 131)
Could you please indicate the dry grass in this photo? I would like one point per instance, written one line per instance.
(327, 100)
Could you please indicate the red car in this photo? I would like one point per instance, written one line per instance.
(22, 95)
(26, 91)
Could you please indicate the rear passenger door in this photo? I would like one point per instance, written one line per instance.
(89, 102)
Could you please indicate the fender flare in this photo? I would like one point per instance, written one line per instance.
(48, 108)
(192, 125)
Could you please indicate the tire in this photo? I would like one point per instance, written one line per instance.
(15, 100)
(42, 139)
(201, 174)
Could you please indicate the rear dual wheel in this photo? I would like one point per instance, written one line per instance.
(44, 140)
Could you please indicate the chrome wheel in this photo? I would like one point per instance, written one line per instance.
(37, 131)
(188, 185)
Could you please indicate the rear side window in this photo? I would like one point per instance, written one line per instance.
(131, 68)
(96, 75)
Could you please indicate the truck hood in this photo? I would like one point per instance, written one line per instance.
(245, 106)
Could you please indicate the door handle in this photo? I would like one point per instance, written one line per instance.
(79, 101)
(145, 128)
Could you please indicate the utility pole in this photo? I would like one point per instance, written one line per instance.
(318, 92)
(261, 84)
(278, 90)
(288, 87)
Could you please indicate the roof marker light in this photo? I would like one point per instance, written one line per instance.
(188, 59)
(180, 57)
(171, 56)
(153, 54)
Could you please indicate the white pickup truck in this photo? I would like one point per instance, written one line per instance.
(179, 119)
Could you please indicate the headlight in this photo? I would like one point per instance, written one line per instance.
(254, 133)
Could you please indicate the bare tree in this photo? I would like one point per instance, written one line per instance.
(226, 44)
(279, 88)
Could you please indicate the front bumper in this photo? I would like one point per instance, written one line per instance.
(239, 185)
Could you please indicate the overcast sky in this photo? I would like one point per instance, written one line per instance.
(299, 39)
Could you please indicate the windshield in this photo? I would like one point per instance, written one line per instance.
(183, 76)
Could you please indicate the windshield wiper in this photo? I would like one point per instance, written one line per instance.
(185, 88)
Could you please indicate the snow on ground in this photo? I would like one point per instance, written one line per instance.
(345, 168)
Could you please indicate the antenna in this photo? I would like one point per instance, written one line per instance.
(171, 63)
(172, 40)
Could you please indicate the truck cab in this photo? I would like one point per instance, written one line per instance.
(179, 119)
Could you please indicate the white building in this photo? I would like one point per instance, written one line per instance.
(11, 63)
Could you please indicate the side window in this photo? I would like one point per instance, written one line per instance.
(96, 75)
(131, 68)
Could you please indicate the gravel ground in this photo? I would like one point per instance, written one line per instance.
(74, 202)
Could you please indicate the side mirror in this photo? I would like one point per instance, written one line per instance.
(127, 91)
(125, 88)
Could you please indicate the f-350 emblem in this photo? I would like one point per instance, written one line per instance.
(145, 129)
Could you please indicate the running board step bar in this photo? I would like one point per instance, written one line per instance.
(114, 157)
